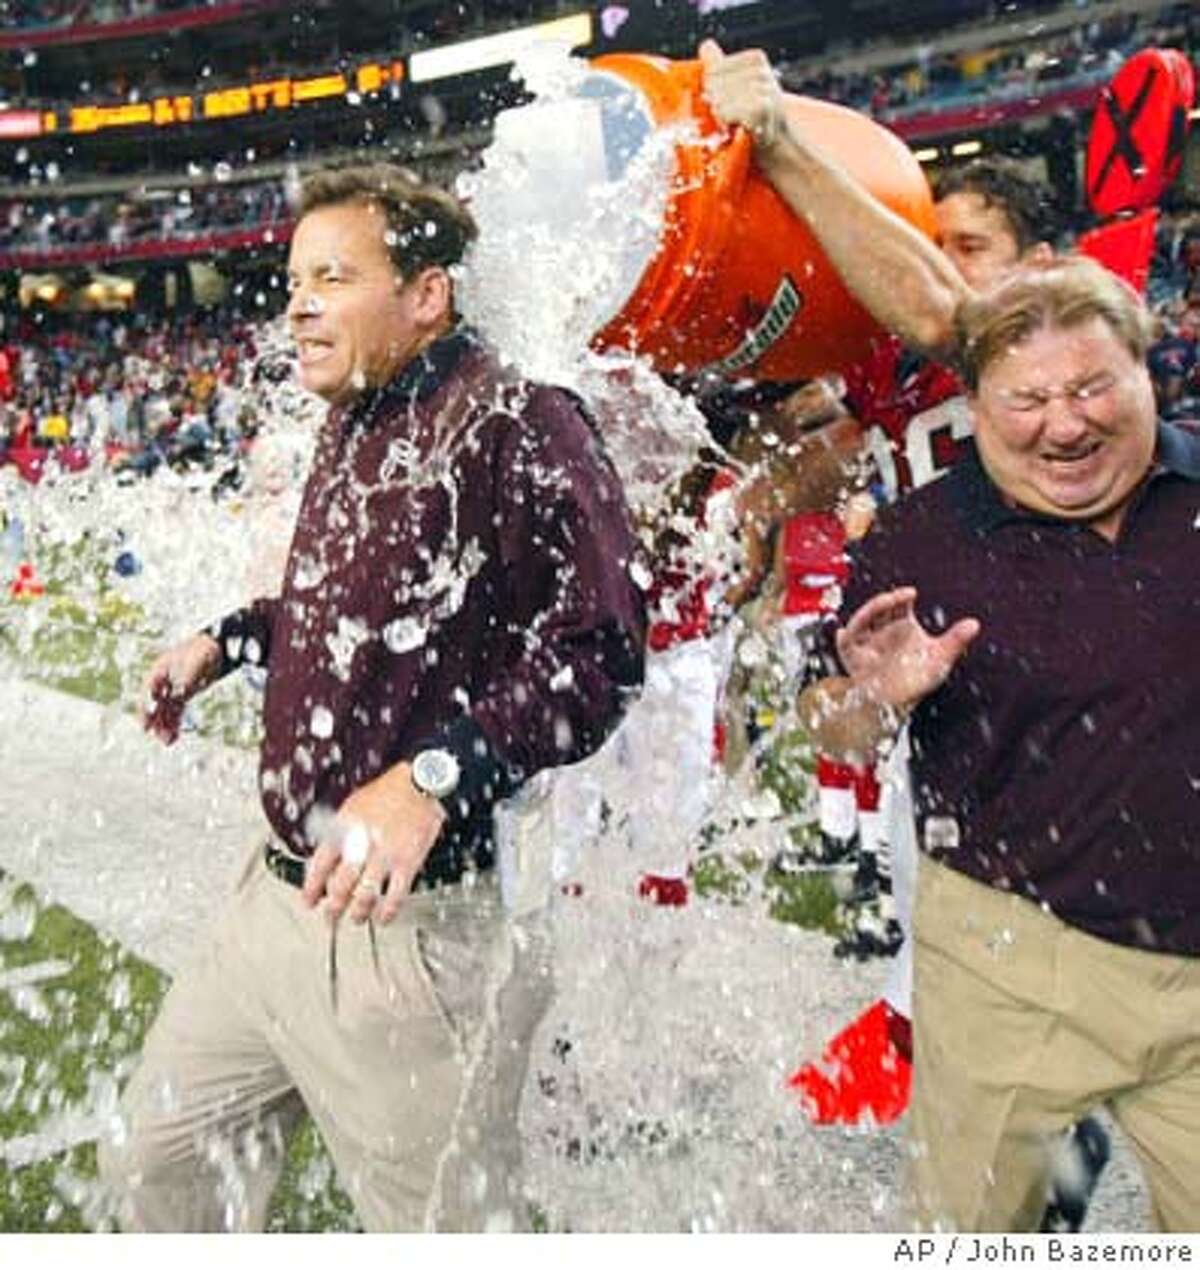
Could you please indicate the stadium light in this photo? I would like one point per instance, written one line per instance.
(928, 155)
(497, 50)
(961, 149)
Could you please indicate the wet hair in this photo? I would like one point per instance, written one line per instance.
(1066, 294)
(426, 225)
(1002, 185)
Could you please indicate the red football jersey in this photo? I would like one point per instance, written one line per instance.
(815, 564)
(913, 411)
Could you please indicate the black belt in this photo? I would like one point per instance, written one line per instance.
(290, 869)
(287, 867)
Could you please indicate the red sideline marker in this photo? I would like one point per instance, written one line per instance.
(864, 1074)
(25, 586)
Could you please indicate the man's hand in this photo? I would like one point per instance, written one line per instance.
(743, 90)
(890, 656)
(400, 825)
(173, 680)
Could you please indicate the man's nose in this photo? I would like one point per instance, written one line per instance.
(295, 300)
(1065, 418)
(302, 303)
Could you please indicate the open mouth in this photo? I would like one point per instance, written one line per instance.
(309, 351)
(1066, 460)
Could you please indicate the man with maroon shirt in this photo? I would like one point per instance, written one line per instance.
(1032, 616)
(457, 614)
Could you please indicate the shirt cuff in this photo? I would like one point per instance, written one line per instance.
(235, 635)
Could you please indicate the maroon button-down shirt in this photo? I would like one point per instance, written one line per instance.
(1061, 759)
(459, 576)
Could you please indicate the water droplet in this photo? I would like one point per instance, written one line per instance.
(403, 635)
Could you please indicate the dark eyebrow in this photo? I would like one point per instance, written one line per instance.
(324, 269)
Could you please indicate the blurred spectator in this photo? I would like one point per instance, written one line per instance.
(7, 384)
(1173, 368)
(1174, 290)
(53, 425)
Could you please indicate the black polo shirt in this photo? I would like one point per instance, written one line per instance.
(1061, 759)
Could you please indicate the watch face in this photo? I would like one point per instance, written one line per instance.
(435, 772)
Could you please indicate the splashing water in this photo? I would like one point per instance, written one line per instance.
(199, 554)
(571, 201)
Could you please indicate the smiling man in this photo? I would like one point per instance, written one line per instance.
(1034, 616)
(457, 614)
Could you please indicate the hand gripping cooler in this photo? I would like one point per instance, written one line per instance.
(738, 284)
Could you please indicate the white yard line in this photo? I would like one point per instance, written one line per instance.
(58, 1135)
(37, 972)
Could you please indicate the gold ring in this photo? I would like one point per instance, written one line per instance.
(366, 886)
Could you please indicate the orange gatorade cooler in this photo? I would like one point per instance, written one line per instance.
(734, 282)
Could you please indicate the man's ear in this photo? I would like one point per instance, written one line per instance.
(433, 295)
(1039, 255)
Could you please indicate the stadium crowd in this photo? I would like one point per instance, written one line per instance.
(131, 390)
(1091, 50)
(119, 219)
(51, 13)
(40, 13)
(932, 79)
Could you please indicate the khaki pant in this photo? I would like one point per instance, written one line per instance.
(1023, 1025)
(413, 1073)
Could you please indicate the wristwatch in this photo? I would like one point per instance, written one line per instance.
(435, 773)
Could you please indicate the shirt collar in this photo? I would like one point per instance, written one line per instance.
(978, 498)
(1177, 452)
(418, 379)
(1178, 449)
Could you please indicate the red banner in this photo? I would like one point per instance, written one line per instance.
(1140, 132)
(937, 122)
